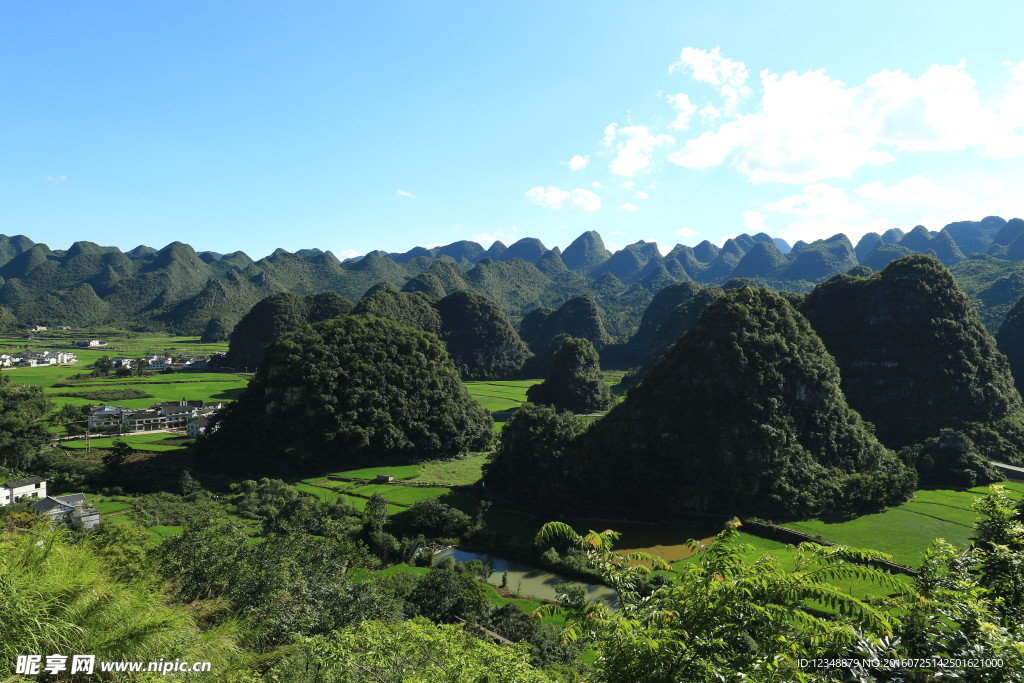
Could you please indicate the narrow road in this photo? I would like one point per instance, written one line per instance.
(1010, 469)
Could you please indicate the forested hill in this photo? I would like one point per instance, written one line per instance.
(180, 290)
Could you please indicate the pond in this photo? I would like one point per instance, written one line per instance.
(528, 580)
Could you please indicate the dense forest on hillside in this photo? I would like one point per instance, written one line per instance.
(178, 290)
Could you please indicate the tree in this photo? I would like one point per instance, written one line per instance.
(21, 432)
(446, 596)
(68, 413)
(216, 330)
(345, 390)
(117, 454)
(530, 464)
(574, 382)
(433, 517)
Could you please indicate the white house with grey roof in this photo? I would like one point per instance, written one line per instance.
(67, 510)
(31, 488)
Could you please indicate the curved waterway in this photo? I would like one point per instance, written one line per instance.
(667, 541)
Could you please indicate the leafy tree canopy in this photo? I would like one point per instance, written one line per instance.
(915, 358)
(743, 413)
(348, 390)
(575, 382)
(480, 339)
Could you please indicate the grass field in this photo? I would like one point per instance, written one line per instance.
(402, 494)
(500, 396)
(153, 442)
(462, 472)
(907, 530)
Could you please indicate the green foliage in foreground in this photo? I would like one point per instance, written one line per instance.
(415, 651)
(56, 597)
(730, 618)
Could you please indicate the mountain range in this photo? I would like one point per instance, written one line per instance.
(179, 290)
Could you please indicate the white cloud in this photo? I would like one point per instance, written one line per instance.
(809, 127)
(629, 207)
(729, 76)
(515, 228)
(754, 220)
(628, 184)
(585, 200)
(618, 232)
(486, 239)
(682, 104)
(917, 190)
(818, 212)
(554, 198)
(403, 193)
(55, 178)
(548, 197)
(635, 151)
(686, 232)
(609, 135)
(640, 194)
(596, 185)
(710, 113)
(652, 186)
(578, 162)
(346, 253)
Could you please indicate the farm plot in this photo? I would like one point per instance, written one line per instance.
(907, 530)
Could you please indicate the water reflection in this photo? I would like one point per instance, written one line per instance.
(528, 580)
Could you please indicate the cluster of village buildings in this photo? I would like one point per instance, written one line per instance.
(192, 416)
(31, 359)
(66, 509)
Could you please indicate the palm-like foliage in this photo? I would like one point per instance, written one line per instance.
(728, 617)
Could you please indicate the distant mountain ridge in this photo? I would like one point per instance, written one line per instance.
(179, 290)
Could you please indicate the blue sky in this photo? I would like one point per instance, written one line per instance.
(350, 127)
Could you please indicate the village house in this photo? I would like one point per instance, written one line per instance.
(89, 343)
(197, 427)
(30, 359)
(68, 510)
(21, 489)
(163, 415)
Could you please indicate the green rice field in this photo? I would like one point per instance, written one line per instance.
(907, 530)
(402, 494)
(500, 396)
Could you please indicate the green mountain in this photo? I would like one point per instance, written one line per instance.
(744, 413)
(315, 399)
(575, 382)
(585, 253)
(915, 358)
(276, 316)
(480, 339)
(179, 290)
